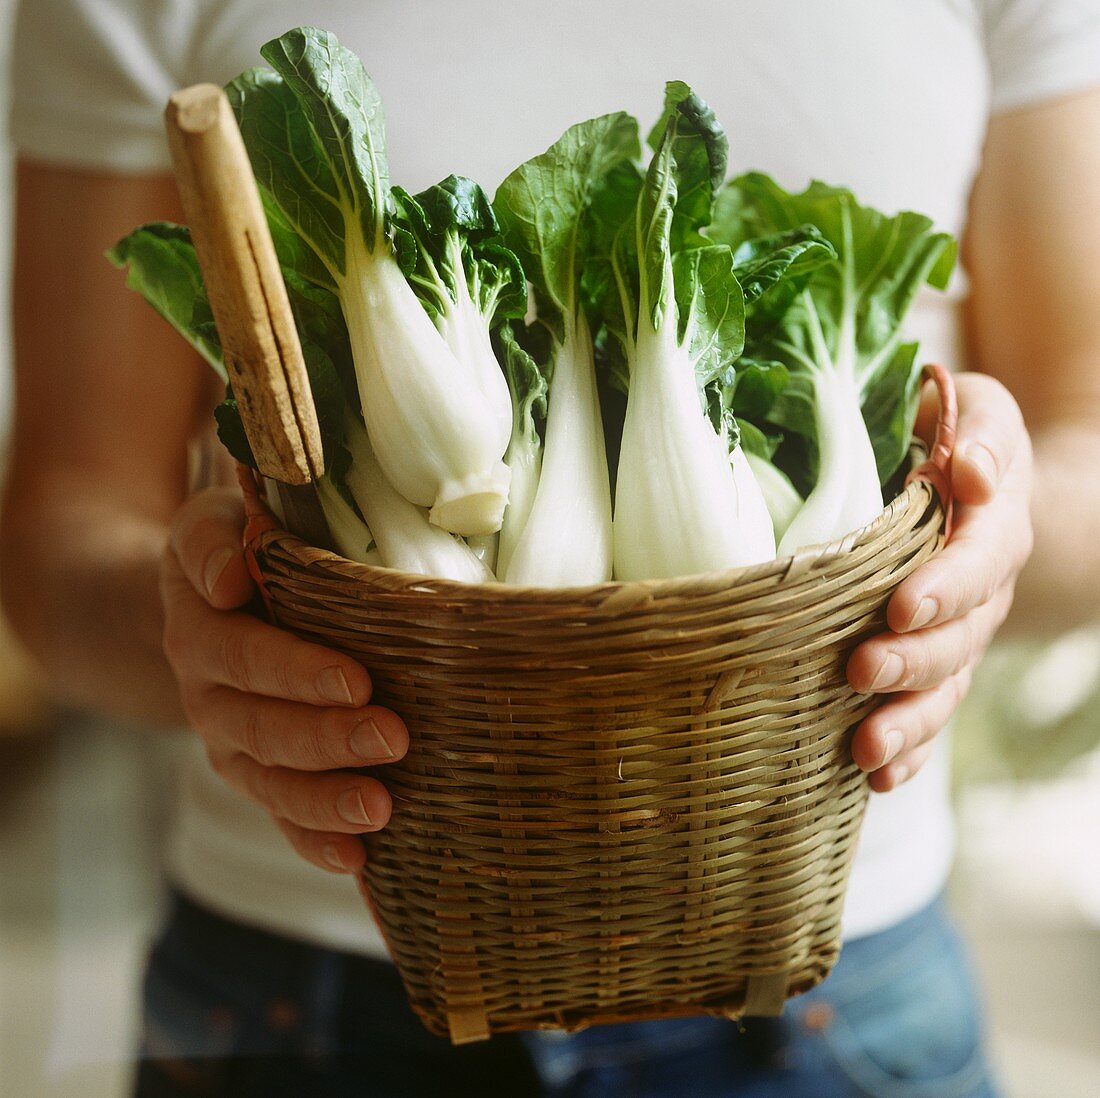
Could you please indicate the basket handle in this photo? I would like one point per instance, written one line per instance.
(936, 468)
(258, 520)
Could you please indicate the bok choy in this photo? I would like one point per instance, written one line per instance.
(851, 400)
(163, 267)
(677, 310)
(545, 212)
(436, 417)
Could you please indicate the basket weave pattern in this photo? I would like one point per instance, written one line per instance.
(620, 802)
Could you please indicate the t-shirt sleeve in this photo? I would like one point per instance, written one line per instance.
(1041, 49)
(91, 78)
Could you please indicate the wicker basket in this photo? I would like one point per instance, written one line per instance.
(627, 801)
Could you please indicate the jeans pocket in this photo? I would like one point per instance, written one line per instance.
(916, 1031)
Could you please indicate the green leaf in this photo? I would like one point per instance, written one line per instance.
(741, 396)
(293, 252)
(345, 115)
(890, 409)
(759, 386)
(456, 237)
(660, 266)
(292, 168)
(554, 206)
(161, 265)
(315, 134)
(527, 380)
(458, 204)
(753, 440)
(710, 308)
(322, 330)
(795, 412)
(227, 415)
(881, 263)
(780, 264)
(677, 198)
(693, 138)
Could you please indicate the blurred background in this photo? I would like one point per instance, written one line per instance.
(83, 807)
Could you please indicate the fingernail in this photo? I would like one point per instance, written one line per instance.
(889, 673)
(894, 743)
(216, 565)
(334, 686)
(351, 808)
(367, 741)
(332, 856)
(926, 610)
(982, 459)
(901, 774)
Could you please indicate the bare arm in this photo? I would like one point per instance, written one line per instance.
(106, 400)
(129, 596)
(1033, 250)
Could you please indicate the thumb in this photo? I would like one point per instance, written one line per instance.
(206, 538)
(991, 431)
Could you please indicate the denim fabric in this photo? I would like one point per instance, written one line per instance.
(237, 1012)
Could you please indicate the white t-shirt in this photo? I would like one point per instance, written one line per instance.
(889, 97)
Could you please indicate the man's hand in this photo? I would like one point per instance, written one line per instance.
(945, 614)
(281, 718)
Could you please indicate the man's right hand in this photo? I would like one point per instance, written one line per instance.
(281, 718)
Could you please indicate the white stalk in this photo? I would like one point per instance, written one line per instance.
(679, 509)
(524, 458)
(753, 514)
(780, 495)
(485, 547)
(436, 435)
(349, 533)
(566, 540)
(466, 332)
(404, 536)
(847, 494)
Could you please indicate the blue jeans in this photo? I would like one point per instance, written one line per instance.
(232, 1011)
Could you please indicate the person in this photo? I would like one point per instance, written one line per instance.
(268, 978)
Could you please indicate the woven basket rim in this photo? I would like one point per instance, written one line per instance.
(804, 560)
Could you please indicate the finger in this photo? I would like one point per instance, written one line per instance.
(340, 801)
(907, 721)
(237, 650)
(919, 661)
(205, 538)
(901, 770)
(987, 551)
(301, 737)
(326, 849)
(990, 435)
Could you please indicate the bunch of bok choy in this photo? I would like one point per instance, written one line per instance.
(468, 358)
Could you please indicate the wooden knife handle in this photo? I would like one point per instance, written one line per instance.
(245, 285)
